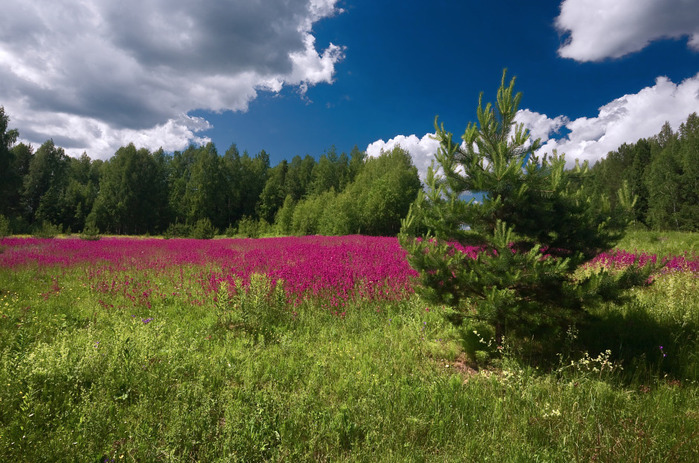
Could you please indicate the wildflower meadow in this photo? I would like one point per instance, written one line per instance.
(318, 349)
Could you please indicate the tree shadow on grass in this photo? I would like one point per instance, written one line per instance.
(647, 348)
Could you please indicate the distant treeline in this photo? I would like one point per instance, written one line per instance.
(197, 192)
(662, 171)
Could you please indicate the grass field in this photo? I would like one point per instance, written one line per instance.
(130, 350)
(661, 243)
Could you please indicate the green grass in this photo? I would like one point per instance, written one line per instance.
(387, 382)
(663, 243)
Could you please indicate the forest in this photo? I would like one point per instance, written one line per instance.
(199, 193)
(662, 172)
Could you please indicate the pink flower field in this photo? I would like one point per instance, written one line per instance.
(138, 272)
(337, 269)
(618, 258)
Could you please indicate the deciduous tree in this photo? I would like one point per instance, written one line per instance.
(45, 183)
(9, 180)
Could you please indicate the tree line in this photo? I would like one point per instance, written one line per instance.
(198, 192)
(662, 172)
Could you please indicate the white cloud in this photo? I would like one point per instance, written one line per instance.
(540, 125)
(422, 150)
(599, 29)
(623, 120)
(96, 72)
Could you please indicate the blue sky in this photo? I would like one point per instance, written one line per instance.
(299, 76)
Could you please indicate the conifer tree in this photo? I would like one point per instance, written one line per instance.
(508, 261)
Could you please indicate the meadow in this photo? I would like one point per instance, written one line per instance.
(317, 349)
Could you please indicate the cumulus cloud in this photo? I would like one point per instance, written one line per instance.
(97, 72)
(623, 120)
(422, 150)
(540, 125)
(599, 29)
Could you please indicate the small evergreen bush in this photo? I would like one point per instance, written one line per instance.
(248, 227)
(90, 232)
(178, 230)
(46, 230)
(509, 260)
(203, 230)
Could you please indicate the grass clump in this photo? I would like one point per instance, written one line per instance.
(259, 309)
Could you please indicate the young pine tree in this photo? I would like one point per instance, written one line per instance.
(508, 261)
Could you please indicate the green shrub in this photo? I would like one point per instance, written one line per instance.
(178, 230)
(203, 230)
(264, 228)
(90, 232)
(283, 219)
(46, 230)
(248, 227)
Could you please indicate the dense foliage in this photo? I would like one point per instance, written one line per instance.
(197, 192)
(662, 171)
(534, 227)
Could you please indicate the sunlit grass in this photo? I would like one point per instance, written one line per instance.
(662, 243)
